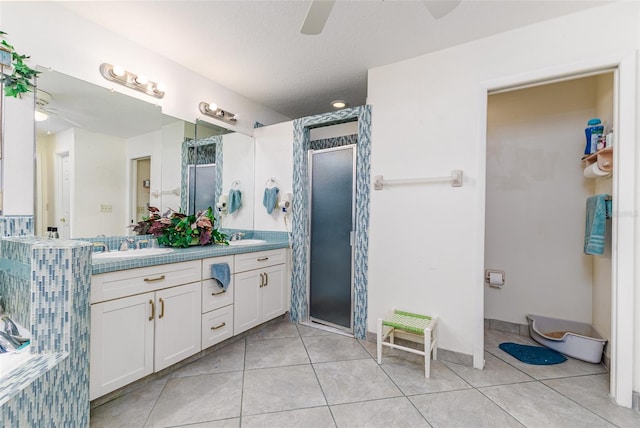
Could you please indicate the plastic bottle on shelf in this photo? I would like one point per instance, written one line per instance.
(593, 131)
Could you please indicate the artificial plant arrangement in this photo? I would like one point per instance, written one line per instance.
(176, 229)
(18, 78)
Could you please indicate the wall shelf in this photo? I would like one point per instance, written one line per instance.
(603, 158)
(594, 156)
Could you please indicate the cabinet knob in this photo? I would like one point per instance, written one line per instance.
(153, 310)
(160, 278)
(219, 326)
(261, 280)
(266, 279)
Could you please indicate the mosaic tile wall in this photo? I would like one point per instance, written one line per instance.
(14, 270)
(53, 388)
(16, 226)
(15, 289)
(301, 145)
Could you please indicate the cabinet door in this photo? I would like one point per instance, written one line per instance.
(273, 292)
(121, 343)
(178, 324)
(247, 306)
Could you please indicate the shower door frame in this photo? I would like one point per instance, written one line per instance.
(354, 157)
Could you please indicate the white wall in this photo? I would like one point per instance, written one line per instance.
(535, 202)
(18, 150)
(425, 123)
(339, 130)
(104, 183)
(274, 158)
(173, 135)
(238, 156)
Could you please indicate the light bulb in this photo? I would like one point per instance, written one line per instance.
(338, 104)
(212, 107)
(160, 87)
(235, 117)
(40, 116)
(117, 71)
(142, 79)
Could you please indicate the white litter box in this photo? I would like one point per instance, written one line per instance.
(574, 339)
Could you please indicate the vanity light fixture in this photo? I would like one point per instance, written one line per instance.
(116, 73)
(338, 104)
(212, 109)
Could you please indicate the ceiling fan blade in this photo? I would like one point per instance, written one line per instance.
(317, 16)
(440, 8)
(49, 112)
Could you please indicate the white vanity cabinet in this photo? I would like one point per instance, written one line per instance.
(142, 320)
(217, 304)
(260, 288)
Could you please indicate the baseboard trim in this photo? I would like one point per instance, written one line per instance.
(443, 354)
(507, 327)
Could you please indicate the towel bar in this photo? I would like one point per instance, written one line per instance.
(455, 178)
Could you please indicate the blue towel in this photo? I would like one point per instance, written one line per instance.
(221, 273)
(270, 198)
(235, 200)
(596, 224)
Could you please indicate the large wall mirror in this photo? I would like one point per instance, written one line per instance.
(218, 168)
(102, 156)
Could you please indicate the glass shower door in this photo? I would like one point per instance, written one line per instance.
(332, 211)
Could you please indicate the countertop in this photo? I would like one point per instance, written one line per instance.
(184, 254)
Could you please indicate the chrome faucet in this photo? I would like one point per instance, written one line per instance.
(124, 245)
(236, 236)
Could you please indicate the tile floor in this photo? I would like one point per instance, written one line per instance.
(295, 376)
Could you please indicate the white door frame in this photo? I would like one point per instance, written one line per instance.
(623, 251)
(63, 214)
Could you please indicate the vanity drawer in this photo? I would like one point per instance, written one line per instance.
(217, 326)
(260, 259)
(114, 285)
(213, 297)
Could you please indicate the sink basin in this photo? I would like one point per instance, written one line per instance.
(144, 252)
(242, 242)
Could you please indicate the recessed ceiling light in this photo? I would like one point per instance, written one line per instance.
(338, 104)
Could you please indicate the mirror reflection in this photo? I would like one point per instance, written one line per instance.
(102, 156)
(218, 172)
(97, 157)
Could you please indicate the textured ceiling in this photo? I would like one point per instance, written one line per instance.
(255, 48)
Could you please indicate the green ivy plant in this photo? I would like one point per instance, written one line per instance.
(20, 79)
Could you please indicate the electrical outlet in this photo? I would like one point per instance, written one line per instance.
(106, 208)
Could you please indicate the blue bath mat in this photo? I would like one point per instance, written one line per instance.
(533, 354)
